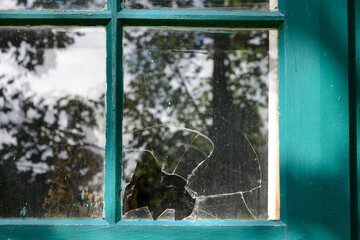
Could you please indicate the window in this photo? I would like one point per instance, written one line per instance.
(302, 60)
(58, 172)
(196, 123)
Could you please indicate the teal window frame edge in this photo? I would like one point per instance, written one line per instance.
(315, 153)
(355, 116)
(314, 124)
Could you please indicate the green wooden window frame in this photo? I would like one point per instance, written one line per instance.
(355, 114)
(314, 78)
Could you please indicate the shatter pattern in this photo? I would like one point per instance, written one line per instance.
(195, 123)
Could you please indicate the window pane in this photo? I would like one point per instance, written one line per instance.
(195, 127)
(52, 122)
(52, 4)
(245, 5)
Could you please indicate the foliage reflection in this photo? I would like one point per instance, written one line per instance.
(195, 123)
(52, 122)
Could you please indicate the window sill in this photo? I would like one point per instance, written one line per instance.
(100, 229)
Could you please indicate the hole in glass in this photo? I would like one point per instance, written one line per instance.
(196, 125)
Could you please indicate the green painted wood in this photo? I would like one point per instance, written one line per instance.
(314, 124)
(114, 6)
(113, 126)
(357, 106)
(281, 6)
(201, 18)
(317, 120)
(167, 232)
(353, 121)
(201, 15)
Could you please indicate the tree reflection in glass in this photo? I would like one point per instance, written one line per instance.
(52, 122)
(195, 127)
(244, 5)
(52, 4)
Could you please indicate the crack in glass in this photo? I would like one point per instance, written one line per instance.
(195, 123)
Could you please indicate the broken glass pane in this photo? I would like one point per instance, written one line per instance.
(168, 214)
(52, 122)
(139, 213)
(52, 4)
(195, 125)
(232, 206)
(148, 186)
(243, 5)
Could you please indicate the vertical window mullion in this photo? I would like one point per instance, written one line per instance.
(113, 129)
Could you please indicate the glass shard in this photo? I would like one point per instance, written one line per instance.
(52, 122)
(140, 213)
(168, 214)
(199, 214)
(52, 4)
(244, 5)
(195, 125)
(190, 150)
(148, 186)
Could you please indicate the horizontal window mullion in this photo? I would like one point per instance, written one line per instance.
(152, 17)
(141, 231)
(201, 18)
(197, 15)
